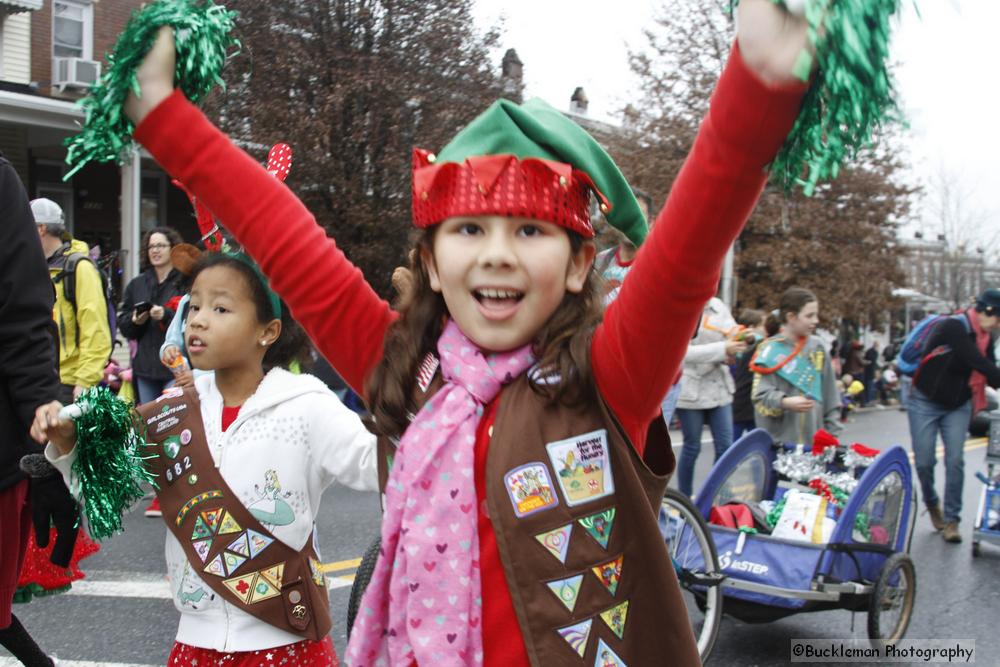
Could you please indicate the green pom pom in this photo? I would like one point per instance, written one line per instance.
(851, 95)
(109, 465)
(203, 39)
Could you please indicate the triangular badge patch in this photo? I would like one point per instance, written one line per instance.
(610, 574)
(233, 562)
(240, 546)
(576, 635)
(257, 542)
(274, 575)
(614, 618)
(201, 530)
(202, 547)
(228, 525)
(567, 590)
(263, 590)
(599, 526)
(556, 541)
(242, 586)
(212, 518)
(215, 567)
(606, 657)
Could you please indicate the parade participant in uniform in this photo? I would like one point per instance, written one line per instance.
(577, 458)
(794, 389)
(243, 462)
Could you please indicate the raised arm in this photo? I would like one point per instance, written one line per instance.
(325, 292)
(645, 333)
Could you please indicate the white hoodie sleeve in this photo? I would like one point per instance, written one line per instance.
(343, 447)
(64, 464)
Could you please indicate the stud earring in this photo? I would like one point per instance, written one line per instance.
(263, 343)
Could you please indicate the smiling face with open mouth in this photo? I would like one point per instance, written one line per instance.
(502, 278)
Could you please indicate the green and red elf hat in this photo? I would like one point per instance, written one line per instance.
(527, 161)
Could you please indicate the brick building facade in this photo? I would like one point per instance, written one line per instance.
(50, 50)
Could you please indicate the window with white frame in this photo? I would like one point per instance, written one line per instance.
(72, 29)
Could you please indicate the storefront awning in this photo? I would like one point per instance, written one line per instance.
(15, 6)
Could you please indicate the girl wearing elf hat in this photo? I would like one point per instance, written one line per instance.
(522, 458)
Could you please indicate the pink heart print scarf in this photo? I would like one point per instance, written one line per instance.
(424, 602)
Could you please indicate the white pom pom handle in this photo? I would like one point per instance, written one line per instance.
(73, 411)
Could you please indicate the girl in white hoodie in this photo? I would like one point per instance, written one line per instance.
(278, 441)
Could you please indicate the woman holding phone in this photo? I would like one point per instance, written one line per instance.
(143, 317)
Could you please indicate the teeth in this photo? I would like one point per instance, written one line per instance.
(499, 294)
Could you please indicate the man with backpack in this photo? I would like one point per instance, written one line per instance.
(956, 361)
(81, 310)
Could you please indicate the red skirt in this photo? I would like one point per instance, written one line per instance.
(305, 653)
(40, 577)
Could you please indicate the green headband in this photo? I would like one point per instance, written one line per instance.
(271, 296)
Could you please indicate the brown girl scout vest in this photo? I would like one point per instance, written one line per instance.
(232, 552)
(575, 513)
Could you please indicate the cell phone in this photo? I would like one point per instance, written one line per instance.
(142, 307)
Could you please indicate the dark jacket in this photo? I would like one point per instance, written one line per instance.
(742, 405)
(944, 375)
(28, 375)
(150, 335)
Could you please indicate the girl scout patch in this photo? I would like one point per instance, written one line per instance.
(583, 467)
(530, 489)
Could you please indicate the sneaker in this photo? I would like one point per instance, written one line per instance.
(950, 533)
(154, 508)
(937, 518)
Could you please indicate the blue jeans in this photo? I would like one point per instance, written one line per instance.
(720, 422)
(148, 389)
(927, 419)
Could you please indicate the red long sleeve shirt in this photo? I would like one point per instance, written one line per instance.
(637, 349)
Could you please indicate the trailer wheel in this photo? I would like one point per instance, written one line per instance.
(361, 579)
(891, 604)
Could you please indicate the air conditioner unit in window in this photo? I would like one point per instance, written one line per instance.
(75, 73)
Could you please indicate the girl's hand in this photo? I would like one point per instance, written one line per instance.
(156, 312)
(47, 427)
(184, 379)
(771, 40)
(169, 355)
(155, 76)
(734, 347)
(138, 318)
(797, 403)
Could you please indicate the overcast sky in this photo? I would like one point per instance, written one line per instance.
(946, 77)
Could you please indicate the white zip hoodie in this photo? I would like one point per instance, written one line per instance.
(291, 440)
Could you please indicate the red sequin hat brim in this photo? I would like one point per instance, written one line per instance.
(502, 185)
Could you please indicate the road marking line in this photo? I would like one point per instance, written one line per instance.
(336, 566)
(971, 445)
(12, 662)
(157, 590)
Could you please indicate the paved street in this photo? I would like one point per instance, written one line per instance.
(121, 614)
